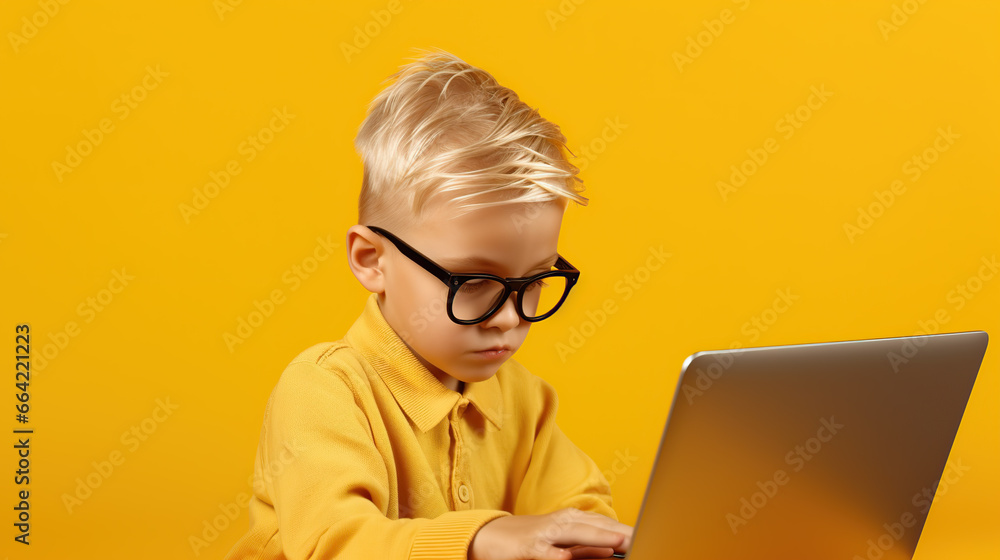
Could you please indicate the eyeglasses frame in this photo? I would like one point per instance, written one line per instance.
(454, 281)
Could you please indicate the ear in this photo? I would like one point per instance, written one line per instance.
(365, 252)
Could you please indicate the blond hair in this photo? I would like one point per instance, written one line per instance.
(447, 131)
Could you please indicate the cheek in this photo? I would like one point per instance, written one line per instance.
(426, 315)
(422, 300)
(444, 338)
(520, 333)
(430, 307)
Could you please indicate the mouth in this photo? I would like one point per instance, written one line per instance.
(497, 351)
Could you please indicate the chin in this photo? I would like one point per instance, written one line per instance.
(481, 374)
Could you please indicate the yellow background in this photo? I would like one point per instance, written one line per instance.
(652, 180)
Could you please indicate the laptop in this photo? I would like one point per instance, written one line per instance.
(822, 451)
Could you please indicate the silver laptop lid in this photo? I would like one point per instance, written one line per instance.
(821, 451)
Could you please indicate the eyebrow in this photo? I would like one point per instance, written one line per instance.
(470, 261)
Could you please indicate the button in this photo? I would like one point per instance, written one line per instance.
(463, 493)
(459, 409)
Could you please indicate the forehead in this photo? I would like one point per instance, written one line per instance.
(515, 238)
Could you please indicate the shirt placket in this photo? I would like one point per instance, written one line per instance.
(461, 487)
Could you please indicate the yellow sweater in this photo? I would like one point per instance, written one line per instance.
(364, 454)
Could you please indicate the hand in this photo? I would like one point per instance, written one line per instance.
(561, 535)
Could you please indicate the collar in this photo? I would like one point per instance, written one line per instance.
(424, 399)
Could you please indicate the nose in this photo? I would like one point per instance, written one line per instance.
(506, 317)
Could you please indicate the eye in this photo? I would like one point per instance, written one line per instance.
(537, 284)
(473, 286)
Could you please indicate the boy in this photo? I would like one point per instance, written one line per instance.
(416, 435)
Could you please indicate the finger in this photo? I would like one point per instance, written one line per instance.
(591, 552)
(543, 551)
(597, 520)
(627, 543)
(577, 533)
(594, 518)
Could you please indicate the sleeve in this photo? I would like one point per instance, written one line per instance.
(559, 473)
(331, 495)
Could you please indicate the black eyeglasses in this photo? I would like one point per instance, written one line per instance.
(474, 297)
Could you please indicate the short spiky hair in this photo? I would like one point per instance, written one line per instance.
(447, 131)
